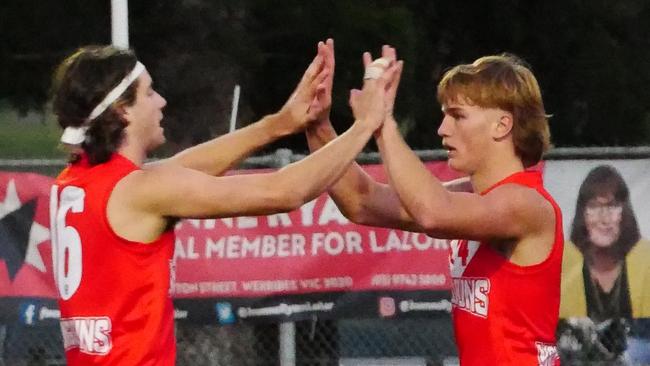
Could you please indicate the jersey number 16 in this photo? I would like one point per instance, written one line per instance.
(65, 239)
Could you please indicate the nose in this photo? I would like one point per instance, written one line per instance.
(163, 101)
(602, 216)
(606, 215)
(445, 126)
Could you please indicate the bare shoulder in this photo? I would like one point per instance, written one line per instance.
(146, 184)
(534, 218)
(525, 204)
(134, 205)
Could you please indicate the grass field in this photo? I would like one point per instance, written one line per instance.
(28, 137)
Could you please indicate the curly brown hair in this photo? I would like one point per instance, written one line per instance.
(80, 83)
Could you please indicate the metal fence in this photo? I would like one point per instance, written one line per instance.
(315, 342)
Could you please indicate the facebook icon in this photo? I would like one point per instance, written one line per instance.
(225, 314)
(27, 313)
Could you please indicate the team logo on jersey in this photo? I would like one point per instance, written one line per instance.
(471, 295)
(467, 293)
(92, 335)
(546, 354)
(462, 252)
(225, 315)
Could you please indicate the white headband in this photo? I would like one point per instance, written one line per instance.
(76, 135)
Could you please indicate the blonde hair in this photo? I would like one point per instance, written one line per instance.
(504, 82)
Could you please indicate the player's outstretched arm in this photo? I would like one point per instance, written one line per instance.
(174, 191)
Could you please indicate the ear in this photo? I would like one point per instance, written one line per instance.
(503, 125)
(123, 111)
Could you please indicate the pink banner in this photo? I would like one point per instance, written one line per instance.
(310, 250)
(25, 253)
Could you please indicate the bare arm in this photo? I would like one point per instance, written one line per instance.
(143, 200)
(509, 212)
(182, 192)
(359, 197)
(221, 154)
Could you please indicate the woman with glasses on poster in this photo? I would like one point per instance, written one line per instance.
(606, 276)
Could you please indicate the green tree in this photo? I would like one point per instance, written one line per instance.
(36, 35)
(591, 58)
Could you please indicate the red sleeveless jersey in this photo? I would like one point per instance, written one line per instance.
(503, 313)
(113, 293)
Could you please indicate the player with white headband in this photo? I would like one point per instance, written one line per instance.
(112, 215)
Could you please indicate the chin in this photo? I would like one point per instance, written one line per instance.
(161, 138)
(156, 144)
(603, 243)
(455, 165)
(608, 244)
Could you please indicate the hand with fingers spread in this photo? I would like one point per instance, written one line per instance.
(299, 110)
(369, 103)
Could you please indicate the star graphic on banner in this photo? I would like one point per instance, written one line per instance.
(20, 235)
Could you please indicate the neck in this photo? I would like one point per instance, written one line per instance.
(601, 260)
(493, 172)
(134, 152)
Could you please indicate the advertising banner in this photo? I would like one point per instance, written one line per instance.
(309, 262)
(605, 298)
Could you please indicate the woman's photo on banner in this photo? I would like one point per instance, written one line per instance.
(605, 299)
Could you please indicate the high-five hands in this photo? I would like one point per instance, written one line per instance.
(373, 104)
(300, 109)
(375, 99)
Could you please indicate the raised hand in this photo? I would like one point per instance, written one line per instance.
(299, 110)
(369, 103)
(322, 102)
(389, 53)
